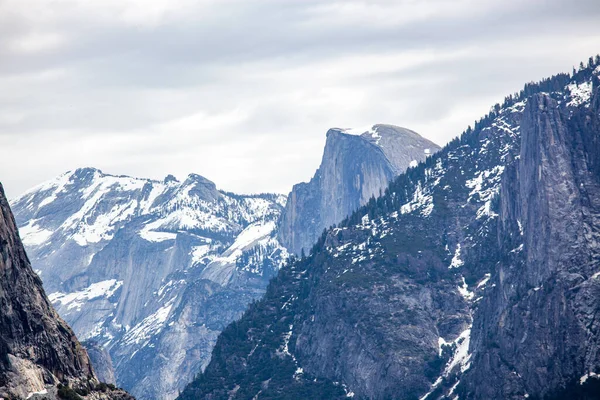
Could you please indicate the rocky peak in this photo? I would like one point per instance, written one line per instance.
(356, 165)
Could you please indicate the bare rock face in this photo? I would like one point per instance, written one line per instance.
(354, 168)
(537, 329)
(101, 361)
(38, 349)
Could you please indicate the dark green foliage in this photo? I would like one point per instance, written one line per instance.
(66, 393)
(590, 390)
(102, 387)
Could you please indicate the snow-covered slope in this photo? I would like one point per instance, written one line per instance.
(122, 257)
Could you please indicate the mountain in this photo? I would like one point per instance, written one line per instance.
(474, 276)
(151, 271)
(356, 166)
(39, 353)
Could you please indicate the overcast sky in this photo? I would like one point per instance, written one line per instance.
(243, 91)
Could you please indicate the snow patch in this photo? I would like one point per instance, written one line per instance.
(33, 235)
(464, 290)
(585, 377)
(456, 260)
(580, 94)
(76, 300)
(149, 326)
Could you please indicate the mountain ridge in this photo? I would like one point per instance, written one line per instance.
(389, 304)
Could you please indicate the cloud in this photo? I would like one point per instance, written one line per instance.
(243, 91)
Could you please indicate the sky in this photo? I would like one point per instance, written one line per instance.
(244, 91)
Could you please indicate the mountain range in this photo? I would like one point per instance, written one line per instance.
(474, 276)
(148, 273)
(471, 272)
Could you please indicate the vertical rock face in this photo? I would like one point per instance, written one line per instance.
(538, 330)
(37, 347)
(354, 168)
(476, 275)
(101, 361)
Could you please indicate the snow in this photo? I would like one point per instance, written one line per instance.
(199, 253)
(252, 234)
(420, 200)
(149, 326)
(52, 184)
(580, 94)
(41, 392)
(413, 164)
(461, 356)
(484, 281)
(103, 225)
(456, 261)
(464, 290)
(369, 132)
(585, 377)
(149, 234)
(76, 300)
(33, 235)
(441, 344)
(59, 187)
(356, 131)
(286, 341)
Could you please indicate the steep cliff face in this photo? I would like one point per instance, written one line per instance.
(475, 274)
(354, 168)
(37, 347)
(101, 361)
(150, 270)
(537, 329)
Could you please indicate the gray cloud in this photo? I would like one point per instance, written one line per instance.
(243, 91)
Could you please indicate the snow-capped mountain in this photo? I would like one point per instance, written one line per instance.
(475, 276)
(151, 270)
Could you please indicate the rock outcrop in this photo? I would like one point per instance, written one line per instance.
(38, 350)
(354, 168)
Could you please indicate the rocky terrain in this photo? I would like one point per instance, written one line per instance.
(149, 272)
(356, 166)
(474, 276)
(39, 353)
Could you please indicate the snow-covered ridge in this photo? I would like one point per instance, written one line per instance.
(119, 254)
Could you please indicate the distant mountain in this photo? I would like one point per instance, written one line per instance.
(40, 356)
(356, 166)
(150, 270)
(475, 275)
